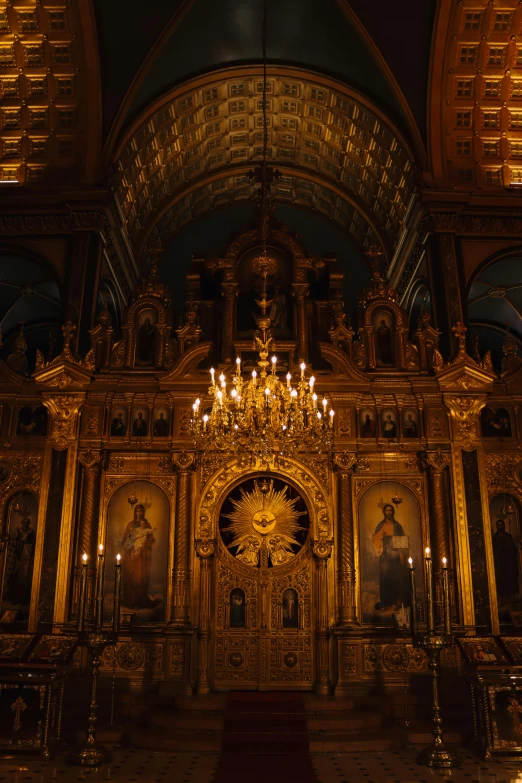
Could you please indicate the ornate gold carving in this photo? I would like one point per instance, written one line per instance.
(437, 459)
(184, 416)
(363, 464)
(464, 412)
(130, 656)
(177, 659)
(345, 422)
(393, 658)
(501, 472)
(349, 659)
(436, 423)
(344, 460)
(64, 409)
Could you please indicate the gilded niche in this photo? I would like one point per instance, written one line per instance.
(264, 522)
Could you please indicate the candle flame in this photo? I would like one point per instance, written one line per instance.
(100, 547)
(410, 561)
(444, 561)
(427, 550)
(84, 557)
(118, 557)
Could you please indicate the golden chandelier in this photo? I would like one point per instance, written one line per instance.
(262, 416)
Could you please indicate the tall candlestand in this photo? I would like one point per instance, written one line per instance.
(100, 577)
(91, 753)
(432, 641)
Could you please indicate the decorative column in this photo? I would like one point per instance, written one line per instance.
(439, 523)
(300, 292)
(345, 565)
(205, 551)
(91, 462)
(184, 465)
(322, 551)
(229, 293)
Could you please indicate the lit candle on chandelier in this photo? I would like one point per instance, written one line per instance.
(220, 397)
(303, 368)
(222, 380)
(267, 395)
(288, 379)
(314, 399)
(83, 595)
(117, 595)
(332, 414)
(429, 589)
(212, 371)
(254, 376)
(100, 574)
(325, 404)
(238, 363)
(274, 362)
(205, 420)
(445, 594)
(413, 597)
(312, 381)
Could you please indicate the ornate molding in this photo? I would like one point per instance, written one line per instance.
(65, 409)
(464, 416)
(501, 472)
(345, 461)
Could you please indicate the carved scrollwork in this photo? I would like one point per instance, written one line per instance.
(501, 472)
(184, 460)
(205, 549)
(64, 409)
(322, 549)
(344, 460)
(464, 412)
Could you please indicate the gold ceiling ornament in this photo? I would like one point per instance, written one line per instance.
(264, 525)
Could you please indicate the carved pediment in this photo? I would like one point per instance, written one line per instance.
(342, 366)
(464, 373)
(187, 366)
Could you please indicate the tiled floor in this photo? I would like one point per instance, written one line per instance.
(133, 766)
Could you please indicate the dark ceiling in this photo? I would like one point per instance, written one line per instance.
(312, 33)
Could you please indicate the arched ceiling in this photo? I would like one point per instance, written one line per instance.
(146, 53)
(46, 106)
(476, 95)
(192, 151)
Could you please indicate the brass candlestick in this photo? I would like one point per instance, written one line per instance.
(91, 753)
(432, 641)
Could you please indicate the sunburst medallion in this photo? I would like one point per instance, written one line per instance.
(265, 519)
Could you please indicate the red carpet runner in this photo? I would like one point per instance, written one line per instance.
(265, 738)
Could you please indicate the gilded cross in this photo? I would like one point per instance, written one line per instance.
(18, 707)
(459, 330)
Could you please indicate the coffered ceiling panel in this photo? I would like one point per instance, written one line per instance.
(482, 95)
(335, 152)
(42, 91)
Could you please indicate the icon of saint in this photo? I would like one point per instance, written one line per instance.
(290, 609)
(409, 426)
(506, 559)
(278, 309)
(161, 426)
(237, 609)
(137, 543)
(145, 342)
(389, 427)
(21, 560)
(384, 344)
(393, 569)
(118, 425)
(139, 426)
(368, 427)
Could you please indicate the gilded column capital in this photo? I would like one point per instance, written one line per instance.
(464, 410)
(64, 409)
(205, 549)
(183, 461)
(344, 461)
(437, 460)
(91, 460)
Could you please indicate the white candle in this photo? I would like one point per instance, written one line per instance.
(212, 371)
(325, 403)
(312, 381)
(314, 398)
(303, 368)
(254, 376)
(205, 419)
(288, 379)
